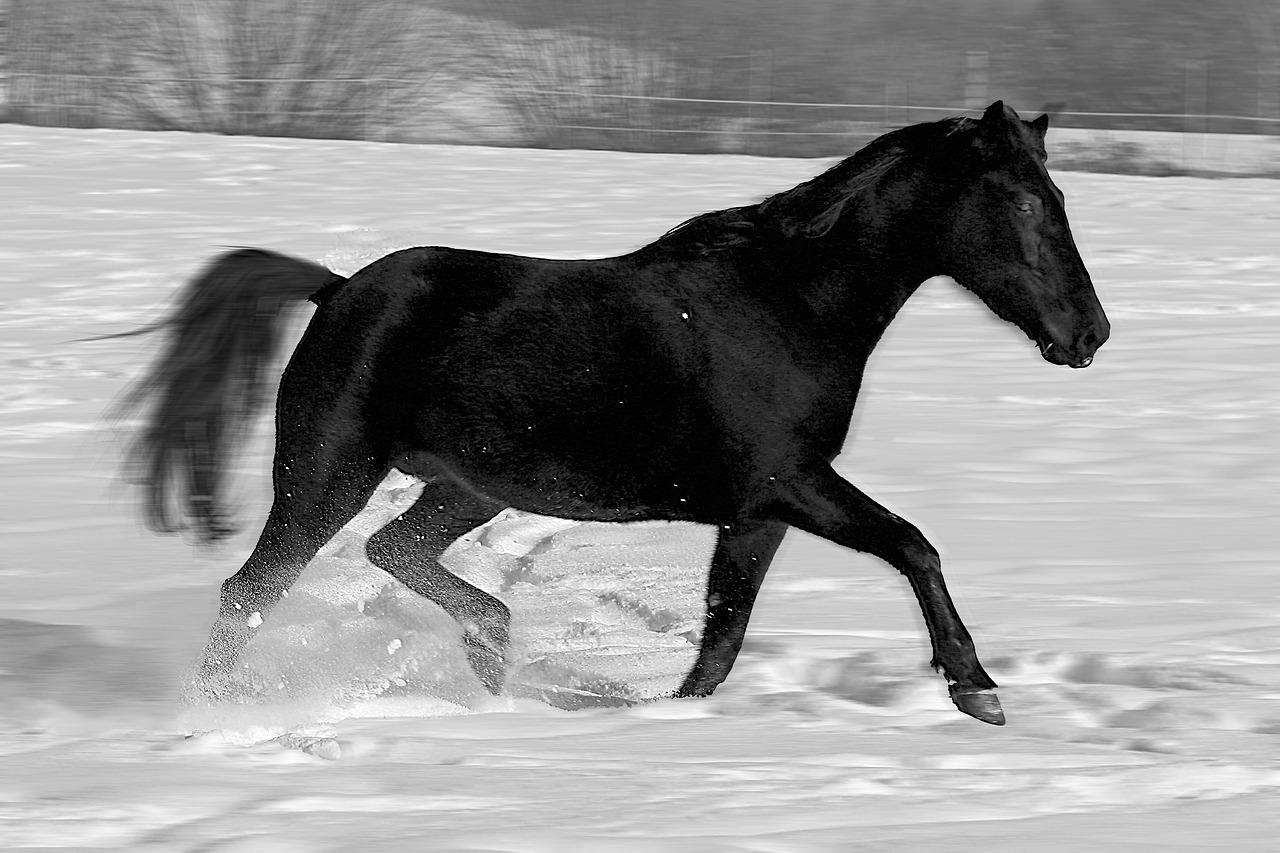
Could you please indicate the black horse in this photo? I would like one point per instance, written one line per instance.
(707, 377)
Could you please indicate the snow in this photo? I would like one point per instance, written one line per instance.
(1109, 535)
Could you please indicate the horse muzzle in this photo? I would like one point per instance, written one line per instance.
(1059, 346)
(1070, 356)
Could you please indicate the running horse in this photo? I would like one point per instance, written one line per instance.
(709, 377)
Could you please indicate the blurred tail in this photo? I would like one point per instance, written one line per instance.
(212, 378)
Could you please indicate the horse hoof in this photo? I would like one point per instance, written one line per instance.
(980, 704)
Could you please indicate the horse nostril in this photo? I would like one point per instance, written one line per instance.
(1095, 338)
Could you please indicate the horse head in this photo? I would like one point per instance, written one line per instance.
(1005, 237)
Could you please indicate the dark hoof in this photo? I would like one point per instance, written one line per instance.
(979, 704)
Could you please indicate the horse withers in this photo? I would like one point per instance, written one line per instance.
(707, 377)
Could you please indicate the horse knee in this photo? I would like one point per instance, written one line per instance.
(912, 553)
(389, 546)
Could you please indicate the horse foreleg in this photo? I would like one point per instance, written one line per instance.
(738, 567)
(408, 549)
(823, 503)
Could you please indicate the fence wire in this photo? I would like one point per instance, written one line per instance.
(384, 108)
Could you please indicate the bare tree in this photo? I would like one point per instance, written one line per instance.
(331, 68)
(581, 89)
(50, 45)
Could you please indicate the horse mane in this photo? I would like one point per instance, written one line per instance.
(812, 208)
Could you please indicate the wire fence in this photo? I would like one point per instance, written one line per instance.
(408, 110)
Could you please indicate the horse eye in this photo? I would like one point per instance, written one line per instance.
(1025, 207)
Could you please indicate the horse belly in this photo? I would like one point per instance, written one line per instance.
(589, 465)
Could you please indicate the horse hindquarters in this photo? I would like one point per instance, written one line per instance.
(344, 411)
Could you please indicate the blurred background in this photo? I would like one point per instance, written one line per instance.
(1144, 86)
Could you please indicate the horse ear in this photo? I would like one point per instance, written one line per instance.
(1040, 125)
(993, 131)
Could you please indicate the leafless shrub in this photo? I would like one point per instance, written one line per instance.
(331, 68)
(580, 90)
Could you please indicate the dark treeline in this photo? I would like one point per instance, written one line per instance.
(458, 70)
(1134, 56)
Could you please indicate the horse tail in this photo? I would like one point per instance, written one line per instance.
(213, 377)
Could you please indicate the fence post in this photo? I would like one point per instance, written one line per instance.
(1268, 49)
(386, 111)
(4, 60)
(975, 80)
(1195, 98)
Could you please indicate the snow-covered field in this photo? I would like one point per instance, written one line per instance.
(1110, 536)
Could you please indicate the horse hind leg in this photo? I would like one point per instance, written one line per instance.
(409, 547)
(311, 504)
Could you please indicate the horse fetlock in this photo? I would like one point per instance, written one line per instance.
(965, 674)
(956, 659)
(487, 655)
(227, 638)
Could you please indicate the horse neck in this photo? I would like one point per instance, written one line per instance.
(879, 253)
